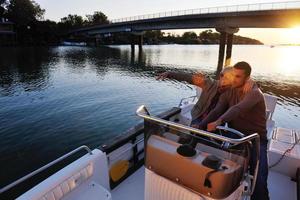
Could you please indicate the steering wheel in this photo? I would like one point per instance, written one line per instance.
(231, 130)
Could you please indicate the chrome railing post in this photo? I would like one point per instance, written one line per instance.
(141, 112)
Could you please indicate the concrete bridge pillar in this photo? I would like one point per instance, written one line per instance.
(226, 37)
(221, 51)
(139, 35)
(229, 49)
(132, 47)
(132, 44)
(141, 42)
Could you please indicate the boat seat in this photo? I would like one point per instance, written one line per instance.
(160, 188)
(271, 102)
(163, 159)
(77, 181)
(90, 191)
(69, 184)
(185, 114)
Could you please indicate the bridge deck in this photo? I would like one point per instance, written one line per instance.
(264, 15)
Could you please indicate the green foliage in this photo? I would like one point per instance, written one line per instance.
(97, 18)
(205, 37)
(3, 4)
(71, 21)
(23, 12)
(2, 10)
(153, 37)
(189, 35)
(209, 37)
(244, 40)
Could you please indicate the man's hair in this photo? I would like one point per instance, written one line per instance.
(243, 66)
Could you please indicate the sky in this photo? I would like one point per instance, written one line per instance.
(56, 9)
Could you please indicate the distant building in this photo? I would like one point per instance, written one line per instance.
(7, 33)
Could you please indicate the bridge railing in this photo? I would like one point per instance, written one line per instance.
(221, 9)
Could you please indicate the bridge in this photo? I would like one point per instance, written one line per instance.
(226, 19)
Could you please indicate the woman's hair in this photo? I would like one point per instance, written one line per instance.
(227, 73)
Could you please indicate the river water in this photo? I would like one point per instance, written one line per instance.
(53, 100)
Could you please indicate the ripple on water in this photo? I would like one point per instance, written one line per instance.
(56, 99)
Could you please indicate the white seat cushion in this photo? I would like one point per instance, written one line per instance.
(69, 184)
(160, 188)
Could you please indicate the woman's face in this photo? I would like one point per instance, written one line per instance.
(226, 78)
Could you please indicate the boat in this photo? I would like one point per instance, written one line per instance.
(148, 162)
(79, 44)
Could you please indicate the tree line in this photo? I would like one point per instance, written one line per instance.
(32, 29)
(204, 37)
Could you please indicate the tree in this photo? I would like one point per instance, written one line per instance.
(209, 37)
(22, 12)
(2, 10)
(153, 37)
(72, 21)
(97, 18)
(189, 35)
(3, 4)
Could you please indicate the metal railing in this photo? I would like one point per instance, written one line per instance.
(13, 184)
(143, 112)
(221, 9)
(124, 151)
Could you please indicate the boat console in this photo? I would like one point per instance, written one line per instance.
(204, 173)
(217, 169)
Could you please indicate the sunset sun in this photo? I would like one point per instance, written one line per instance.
(294, 34)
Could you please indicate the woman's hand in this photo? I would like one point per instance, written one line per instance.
(248, 86)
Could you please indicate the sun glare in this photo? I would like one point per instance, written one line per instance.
(294, 35)
(288, 59)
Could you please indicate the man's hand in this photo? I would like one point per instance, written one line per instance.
(213, 125)
(163, 76)
(198, 79)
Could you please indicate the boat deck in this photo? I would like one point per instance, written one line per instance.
(280, 187)
(131, 188)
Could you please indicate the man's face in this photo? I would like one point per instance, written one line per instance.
(239, 78)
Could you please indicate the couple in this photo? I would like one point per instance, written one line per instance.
(234, 99)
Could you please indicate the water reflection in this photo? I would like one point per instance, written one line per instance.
(26, 69)
(55, 99)
(29, 69)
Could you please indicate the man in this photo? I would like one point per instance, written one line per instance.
(246, 113)
(211, 90)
